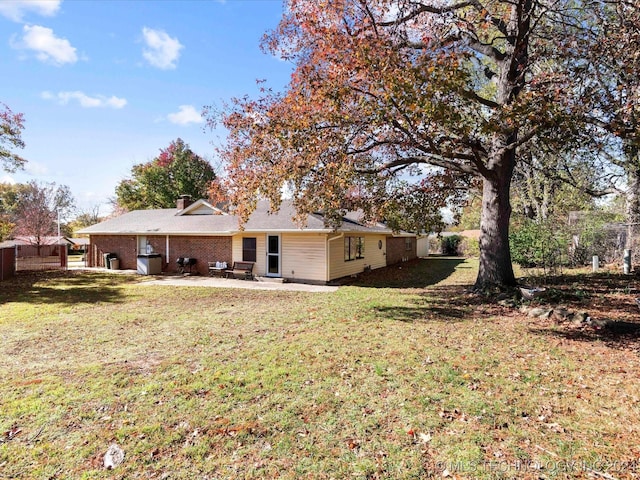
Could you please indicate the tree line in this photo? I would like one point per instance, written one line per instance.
(36, 210)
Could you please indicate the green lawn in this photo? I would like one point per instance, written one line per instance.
(401, 375)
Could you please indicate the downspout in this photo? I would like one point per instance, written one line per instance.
(326, 253)
(167, 249)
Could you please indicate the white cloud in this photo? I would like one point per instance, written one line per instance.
(84, 100)
(162, 50)
(36, 169)
(187, 114)
(7, 179)
(16, 9)
(48, 47)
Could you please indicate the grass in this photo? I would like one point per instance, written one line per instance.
(401, 375)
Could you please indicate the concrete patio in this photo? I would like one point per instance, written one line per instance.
(203, 281)
(206, 281)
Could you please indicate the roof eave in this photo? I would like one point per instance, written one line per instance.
(181, 233)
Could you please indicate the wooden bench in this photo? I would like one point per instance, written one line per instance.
(243, 270)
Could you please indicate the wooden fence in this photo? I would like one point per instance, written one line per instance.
(7, 263)
(41, 257)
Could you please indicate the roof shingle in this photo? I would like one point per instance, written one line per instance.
(169, 221)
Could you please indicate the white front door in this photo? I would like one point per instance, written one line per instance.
(273, 255)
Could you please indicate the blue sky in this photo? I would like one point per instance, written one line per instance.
(104, 85)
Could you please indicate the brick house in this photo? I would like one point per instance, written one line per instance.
(279, 247)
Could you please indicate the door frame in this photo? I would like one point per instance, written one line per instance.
(140, 249)
(277, 254)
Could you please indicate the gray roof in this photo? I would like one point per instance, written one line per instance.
(163, 221)
(26, 240)
(170, 221)
(78, 241)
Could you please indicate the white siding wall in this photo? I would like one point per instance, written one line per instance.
(373, 256)
(422, 246)
(303, 256)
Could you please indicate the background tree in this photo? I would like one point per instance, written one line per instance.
(11, 126)
(85, 218)
(611, 91)
(158, 183)
(549, 185)
(9, 200)
(40, 209)
(600, 156)
(398, 89)
(467, 217)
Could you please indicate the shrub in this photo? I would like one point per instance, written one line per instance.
(538, 244)
(469, 247)
(450, 244)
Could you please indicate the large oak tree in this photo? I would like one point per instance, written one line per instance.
(434, 95)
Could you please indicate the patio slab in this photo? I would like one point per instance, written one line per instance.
(202, 281)
(205, 281)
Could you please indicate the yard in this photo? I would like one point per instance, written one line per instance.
(401, 374)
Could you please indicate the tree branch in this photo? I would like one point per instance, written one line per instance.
(422, 8)
(471, 95)
(431, 159)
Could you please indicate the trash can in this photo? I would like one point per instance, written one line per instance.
(107, 259)
(114, 263)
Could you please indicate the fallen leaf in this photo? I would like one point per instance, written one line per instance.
(13, 432)
(353, 443)
(555, 427)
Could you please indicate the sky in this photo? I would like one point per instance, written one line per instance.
(105, 84)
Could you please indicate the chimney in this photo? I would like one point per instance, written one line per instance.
(183, 202)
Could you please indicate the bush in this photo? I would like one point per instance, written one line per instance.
(469, 247)
(434, 245)
(536, 244)
(450, 244)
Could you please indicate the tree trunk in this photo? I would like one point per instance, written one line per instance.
(632, 200)
(632, 167)
(496, 269)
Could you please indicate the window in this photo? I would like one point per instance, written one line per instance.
(249, 249)
(353, 248)
(408, 243)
